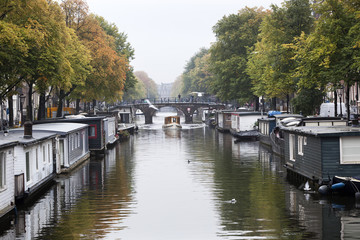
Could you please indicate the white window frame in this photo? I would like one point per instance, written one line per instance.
(292, 147)
(300, 145)
(37, 158)
(49, 152)
(2, 170)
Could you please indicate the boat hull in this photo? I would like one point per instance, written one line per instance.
(246, 135)
(172, 126)
(345, 185)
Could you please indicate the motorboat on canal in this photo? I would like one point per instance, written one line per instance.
(172, 122)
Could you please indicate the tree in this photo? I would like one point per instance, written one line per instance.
(197, 76)
(150, 85)
(330, 54)
(122, 47)
(271, 63)
(43, 61)
(235, 34)
(177, 87)
(136, 92)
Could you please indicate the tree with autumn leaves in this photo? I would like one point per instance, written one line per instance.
(62, 50)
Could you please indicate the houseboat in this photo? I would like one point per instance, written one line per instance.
(172, 122)
(276, 136)
(320, 153)
(243, 125)
(34, 162)
(266, 126)
(126, 120)
(7, 180)
(100, 133)
(71, 145)
(223, 121)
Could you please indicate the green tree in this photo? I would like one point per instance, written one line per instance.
(136, 92)
(330, 54)
(235, 34)
(187, 81)
(150, 85)
(177, 87)
(271, 63)
(44, 61)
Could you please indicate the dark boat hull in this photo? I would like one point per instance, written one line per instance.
(345, 185)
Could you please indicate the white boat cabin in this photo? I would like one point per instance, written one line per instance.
(244, 121)
(72, 143)
(7, 181)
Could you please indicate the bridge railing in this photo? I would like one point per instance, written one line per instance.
(168, 100)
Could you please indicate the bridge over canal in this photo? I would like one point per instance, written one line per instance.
(187, 108)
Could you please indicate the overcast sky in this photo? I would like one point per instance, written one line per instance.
(167, 33)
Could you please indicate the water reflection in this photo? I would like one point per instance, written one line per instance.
(160, 185)
(83, 204)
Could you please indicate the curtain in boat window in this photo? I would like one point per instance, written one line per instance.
(349, 150)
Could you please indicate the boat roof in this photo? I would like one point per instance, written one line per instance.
(60, 127)
(15, 137)
(246, 113)
(286, 115)
(324, 131)
(56, 127)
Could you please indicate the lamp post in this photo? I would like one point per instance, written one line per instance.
(22, 100)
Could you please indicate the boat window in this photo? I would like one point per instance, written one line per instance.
(2, 170)
(92, 131)
(28, 170)
(349, 150)
(292, 146)
(44, 153)
(300, 145)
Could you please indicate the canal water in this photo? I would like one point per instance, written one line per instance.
(195, 183)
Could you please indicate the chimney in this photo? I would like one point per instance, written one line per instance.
(28, 129)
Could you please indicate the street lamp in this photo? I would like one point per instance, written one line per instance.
(22, 100)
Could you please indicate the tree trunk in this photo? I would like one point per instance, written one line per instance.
(59, 111)
(11, 111)
(273, 103)
(287, 103)
(94, 104)
(42, 108)
(77, 106)
(335, 104)
(256, 103)
(29, 108)
(347, 102)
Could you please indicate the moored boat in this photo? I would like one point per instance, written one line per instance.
(172, 122)
(345, 185)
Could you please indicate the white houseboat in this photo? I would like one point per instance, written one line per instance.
(34, 163)
(243, 125)
(72, 143)
(223, 121)
(7, 181)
